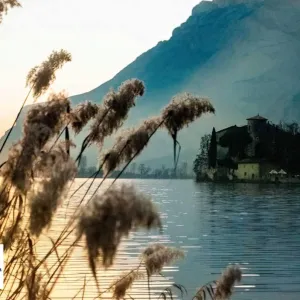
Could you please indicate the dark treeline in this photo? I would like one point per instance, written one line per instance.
(281, 144)
(277, 143)
(138, 171)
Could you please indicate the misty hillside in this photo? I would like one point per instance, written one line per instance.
(242, 54)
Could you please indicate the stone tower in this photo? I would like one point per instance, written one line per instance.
(256, 125)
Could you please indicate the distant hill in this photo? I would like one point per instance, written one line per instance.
(242, 54)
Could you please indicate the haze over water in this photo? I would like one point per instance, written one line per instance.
(255, 226)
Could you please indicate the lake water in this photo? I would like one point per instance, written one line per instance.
(255, 226)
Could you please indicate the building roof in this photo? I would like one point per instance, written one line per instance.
(226, 128)
(258, 117)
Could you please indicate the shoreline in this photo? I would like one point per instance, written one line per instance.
(252, 182)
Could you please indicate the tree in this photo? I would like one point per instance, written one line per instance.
(201, 161)
(91, 170)
(164, 172)
(157, 173)
(212, 152)
(182, 171)
(133, 168)
(83, 165)
(144, 170)
(236, 140)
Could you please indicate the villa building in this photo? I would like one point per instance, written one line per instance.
(249, 168)
(254, 169)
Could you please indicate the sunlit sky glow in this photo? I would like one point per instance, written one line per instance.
(103, 37)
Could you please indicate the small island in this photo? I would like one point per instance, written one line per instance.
(259, 151)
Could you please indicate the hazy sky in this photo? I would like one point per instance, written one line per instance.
(103, 36)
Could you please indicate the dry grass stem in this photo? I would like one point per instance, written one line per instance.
(36, 290)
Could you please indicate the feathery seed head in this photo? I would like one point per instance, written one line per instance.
(51, 114)
(116, 109)
(226, 283)
(111, 216)
(158, 256)
(110, 161)
(6, 4)
(40, 77)
(15, 173)
(42, 122)
(152, 249)
(122, 100)
(129, 143)
(4, 199)
(122, 285)
(82, 114)
(61, 169)
(184, 109)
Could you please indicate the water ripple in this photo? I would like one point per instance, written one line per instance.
(255, 226)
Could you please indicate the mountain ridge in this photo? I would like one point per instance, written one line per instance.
(241, 54)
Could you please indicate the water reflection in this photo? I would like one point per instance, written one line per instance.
(257, 226)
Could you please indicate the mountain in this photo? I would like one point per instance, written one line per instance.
(242, 54)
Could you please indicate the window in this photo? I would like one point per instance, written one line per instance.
(253, 176)
(245, 174)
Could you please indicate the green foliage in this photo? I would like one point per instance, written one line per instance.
(281, 144)
(201, 161)
(236, 139)
(212, 152)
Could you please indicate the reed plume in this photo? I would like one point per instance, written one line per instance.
(115, 110)
(111, 216)
(225, 284)
(4, 199)
(42, 123)
(40, 77)
(44, 201)
(130, 143)
(8, 168)
(81, 115)
(181, 111)
(7, 4)
(157, 256)
(152, 249)
(125, 282)
(13, 232)
(112, 113)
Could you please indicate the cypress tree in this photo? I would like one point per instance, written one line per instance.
(212, 153)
